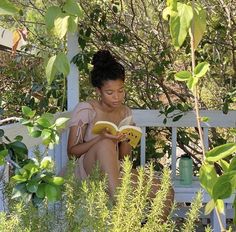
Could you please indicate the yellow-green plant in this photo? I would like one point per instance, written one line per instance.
(190, 18)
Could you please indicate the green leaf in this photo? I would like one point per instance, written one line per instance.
(52, 13)
(57, 180)
(19, 178)
(199, 24)
(223, 187)
(51, 69)
(183, 76)
(180, 24)
(166, 12)
(19, 190)
(35, 134)
(32, 186)
(204, 119)
(61, 25)
(43, 122)
(46, 163)
(19, 147)
(201, 69)
(192, 82)
(232, 165)
(72, 24)
(207, 177)
(41, 190)
(224, 165)
(177, 118)
(62, 64)
(60, 122)
(18, 138)
(220, 152)
(74, 8)
(220, 206)
(7, 8)
(209, 207)
(49, 117)
(51, 192)
(28, 112)
(3, 154)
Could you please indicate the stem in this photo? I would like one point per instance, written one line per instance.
(195, 92)
(222, 229)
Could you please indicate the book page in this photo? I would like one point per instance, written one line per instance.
(126, 121)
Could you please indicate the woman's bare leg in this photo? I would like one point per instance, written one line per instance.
(106, 155)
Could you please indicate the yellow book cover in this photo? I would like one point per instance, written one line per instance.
(133, 133)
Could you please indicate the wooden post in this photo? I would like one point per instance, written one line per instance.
(73, 77)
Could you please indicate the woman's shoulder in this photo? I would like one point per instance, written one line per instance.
(83, 106)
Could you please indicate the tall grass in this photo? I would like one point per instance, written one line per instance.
(86, 206)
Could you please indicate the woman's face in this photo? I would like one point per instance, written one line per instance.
(112, 93)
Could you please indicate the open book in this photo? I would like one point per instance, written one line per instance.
(133, 133)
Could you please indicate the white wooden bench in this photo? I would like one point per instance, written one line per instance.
(144, 119)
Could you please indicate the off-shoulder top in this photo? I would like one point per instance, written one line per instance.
(85, 113)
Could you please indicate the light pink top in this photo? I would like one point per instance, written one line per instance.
(86, 114)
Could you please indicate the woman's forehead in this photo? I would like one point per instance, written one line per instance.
(113, 84)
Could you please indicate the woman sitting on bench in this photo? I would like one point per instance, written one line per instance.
(108, 78)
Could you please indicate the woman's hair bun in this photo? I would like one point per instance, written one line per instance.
(103, 59)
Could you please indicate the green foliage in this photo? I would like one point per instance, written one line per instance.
(7, 8)
(86, 206)
(36, 182)
(44, 126)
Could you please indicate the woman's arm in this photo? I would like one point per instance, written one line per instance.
(78, 148)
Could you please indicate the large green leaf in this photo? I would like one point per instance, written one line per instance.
(52, 13)
(209, 207)
(19, 147)
(207, 177)
(223, 187)
(220, 206)
(19, 190)
(61, 25)
(72, 24)
(7, 8)
(60, 122)
(46, 163)
(62, 64)
(73, 7)
(232, 165)
(199, 24)
(51, 69)
(183, 76)
(32, 186)
(43, 122)
(201, 69)
(51, 192)
(180, 24)
(28, 112)
(220, 152)
(41, 190)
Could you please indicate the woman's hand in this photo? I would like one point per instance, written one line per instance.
(116, 138)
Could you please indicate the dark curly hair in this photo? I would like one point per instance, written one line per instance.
(105, 67)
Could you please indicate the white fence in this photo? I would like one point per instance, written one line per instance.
(144, 119)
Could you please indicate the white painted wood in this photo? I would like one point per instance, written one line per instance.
(173, 151)
(73, 77)
(143, 147)
(205, 138)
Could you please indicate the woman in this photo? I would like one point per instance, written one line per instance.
(108, 78)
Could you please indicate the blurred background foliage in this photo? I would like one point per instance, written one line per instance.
(135, 32)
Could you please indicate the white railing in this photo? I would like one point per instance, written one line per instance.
(144, 119)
